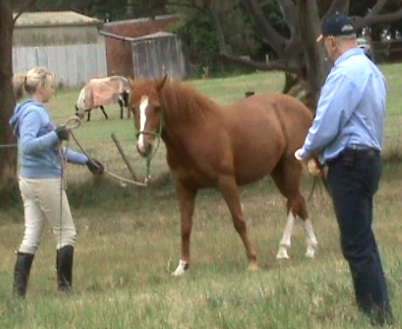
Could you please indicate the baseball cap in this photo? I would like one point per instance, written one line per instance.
(335, 25)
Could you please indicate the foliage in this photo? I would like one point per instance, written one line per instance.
(112, 9)
(199, 37)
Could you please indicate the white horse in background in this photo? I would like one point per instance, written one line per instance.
(98, 93)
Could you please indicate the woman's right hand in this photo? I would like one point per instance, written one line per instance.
(62, 132)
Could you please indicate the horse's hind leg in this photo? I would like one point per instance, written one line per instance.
(286, 239)
(287, 178)
(186, 197)
(229, 190)
(104, 112)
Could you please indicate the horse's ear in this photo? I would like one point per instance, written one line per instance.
(131, 83)
(161, 83)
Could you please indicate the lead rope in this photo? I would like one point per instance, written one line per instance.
(121, 179)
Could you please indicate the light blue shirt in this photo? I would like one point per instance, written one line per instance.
(38, 144)
(350, 110)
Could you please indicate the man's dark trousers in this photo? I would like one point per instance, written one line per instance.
(353, 179)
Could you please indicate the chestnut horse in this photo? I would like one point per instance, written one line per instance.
(211, 145)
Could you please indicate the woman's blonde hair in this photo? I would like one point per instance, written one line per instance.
(30, 81)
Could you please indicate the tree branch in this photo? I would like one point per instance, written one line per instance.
(377, 7)
(269, 35)
(341, 6)
(26, 7)
(289, 15)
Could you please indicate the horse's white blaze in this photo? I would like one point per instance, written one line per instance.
(143, 119)
(285, 242)
(181, 268)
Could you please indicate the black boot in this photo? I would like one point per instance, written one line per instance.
(21, 273)
(64, 263)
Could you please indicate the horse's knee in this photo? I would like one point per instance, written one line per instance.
(298, 207)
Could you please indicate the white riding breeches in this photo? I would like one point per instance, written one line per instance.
(45, 201)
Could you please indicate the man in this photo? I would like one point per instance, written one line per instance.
(347, 135)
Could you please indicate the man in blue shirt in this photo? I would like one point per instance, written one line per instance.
(347, 135)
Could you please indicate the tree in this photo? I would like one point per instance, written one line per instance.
(294, 46)
(8, 155)
(110, 9)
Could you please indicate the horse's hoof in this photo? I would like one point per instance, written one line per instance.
(181, 268)
(253, 267)
(178, 273)
(310, 253)
(282, 254)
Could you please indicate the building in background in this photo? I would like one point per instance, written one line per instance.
(143, 48)
(67, 43)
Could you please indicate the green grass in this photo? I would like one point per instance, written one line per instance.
(129, 243)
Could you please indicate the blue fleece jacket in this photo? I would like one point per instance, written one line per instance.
(38, 144)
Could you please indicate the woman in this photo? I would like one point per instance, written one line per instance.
(40, 178)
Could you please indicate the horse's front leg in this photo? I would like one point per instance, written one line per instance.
(227, 186)
(186, 197)
(121, 104)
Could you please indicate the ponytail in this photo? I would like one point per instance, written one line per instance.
(30, 81)
(19, 84)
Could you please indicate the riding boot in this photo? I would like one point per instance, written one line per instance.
(22, 270)
(64, 263)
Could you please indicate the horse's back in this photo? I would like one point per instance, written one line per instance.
(281, 104)
(275, 116)
(262, 130)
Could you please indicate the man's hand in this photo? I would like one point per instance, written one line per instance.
(95, 166)
(298, 154)
(62, 133)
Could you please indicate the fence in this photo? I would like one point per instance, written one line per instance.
(73, 65)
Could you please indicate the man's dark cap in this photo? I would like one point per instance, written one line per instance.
(336, 25)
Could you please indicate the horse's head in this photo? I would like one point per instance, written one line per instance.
(147, 107)
(79, 112)
(80, 104)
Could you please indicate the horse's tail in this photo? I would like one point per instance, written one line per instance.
(316, 169)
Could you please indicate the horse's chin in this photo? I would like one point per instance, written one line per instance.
(144, 152)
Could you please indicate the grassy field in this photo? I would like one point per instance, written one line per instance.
(129, 243)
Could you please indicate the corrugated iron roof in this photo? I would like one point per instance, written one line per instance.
(47, 18)
(155, 35)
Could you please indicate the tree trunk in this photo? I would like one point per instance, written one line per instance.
(314, 53)
(8, 154)
(130, 8)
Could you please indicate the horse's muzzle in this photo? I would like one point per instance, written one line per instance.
(145, 149)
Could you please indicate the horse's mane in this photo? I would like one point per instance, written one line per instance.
(182, 100)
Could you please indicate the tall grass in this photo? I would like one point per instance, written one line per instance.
(129, 243)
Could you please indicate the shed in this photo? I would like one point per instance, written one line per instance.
(66, 42)
(132, 46)
(156, 54)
